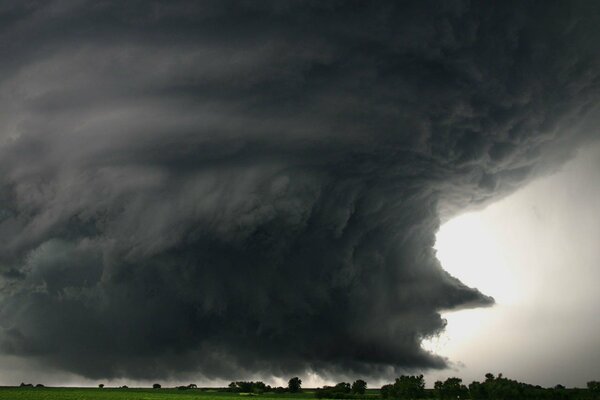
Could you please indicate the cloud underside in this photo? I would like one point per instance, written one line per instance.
(237, 188)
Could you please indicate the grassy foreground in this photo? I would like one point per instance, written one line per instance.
(17, 393)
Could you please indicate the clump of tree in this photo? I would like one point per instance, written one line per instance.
(501, 388)
(156, 386)
(594, 389)
(249, 387)
(492, 388)
(405, 387)
(359, 387)
(295, 385)
(186, 387)
(339, 391)
(258, 387)
(101, 385)
(25, 385)
(451, 388)
(342, 390)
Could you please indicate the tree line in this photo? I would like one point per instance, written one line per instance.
(342, 390)
(412, 387)
(258, 387)
(493, 388)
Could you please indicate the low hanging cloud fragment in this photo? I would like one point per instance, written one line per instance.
(241, 188)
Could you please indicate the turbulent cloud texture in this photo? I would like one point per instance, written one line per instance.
(244, 187)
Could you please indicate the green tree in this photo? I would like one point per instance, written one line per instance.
(438, 389)
(594, 389)
(477, 390)
(341, 390)
(409, 387)
(359, 386)
(387, 391)
(295, 385)
(451, 388)
(342, 387)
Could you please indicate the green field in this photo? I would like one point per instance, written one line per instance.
(17, 393)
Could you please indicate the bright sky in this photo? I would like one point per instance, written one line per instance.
(536, 252)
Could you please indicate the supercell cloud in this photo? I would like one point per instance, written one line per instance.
(236, 188)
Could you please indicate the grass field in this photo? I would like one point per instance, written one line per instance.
(17, 393)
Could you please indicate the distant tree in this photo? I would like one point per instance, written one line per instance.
(39, 385)
(156, 386)
(23, 384)
(192, 386)
(324, 392)
(387, 391)
(501, 388)
(451, 388)
(343, 387)
(101, 385)
(359, 386)
(477, 390)
(248, 387)
(259, 387)
(409, 387)
(594, 389)
(340, 391)
(124, 387)
(559, 392)
(295, 385)
(244, 387)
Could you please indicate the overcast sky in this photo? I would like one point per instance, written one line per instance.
(226, 190)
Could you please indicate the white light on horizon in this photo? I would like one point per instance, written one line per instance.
(536, 253)
(467, 247)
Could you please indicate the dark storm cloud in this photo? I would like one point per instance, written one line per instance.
(254, 187)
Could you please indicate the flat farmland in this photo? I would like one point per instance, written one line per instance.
(49, 393)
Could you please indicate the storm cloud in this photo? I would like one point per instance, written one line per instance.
(237, 188)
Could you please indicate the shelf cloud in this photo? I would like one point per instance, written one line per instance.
(236, 188)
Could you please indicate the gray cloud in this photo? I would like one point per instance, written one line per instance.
(233, 187)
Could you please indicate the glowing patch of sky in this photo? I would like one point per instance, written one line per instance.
(536, 252)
